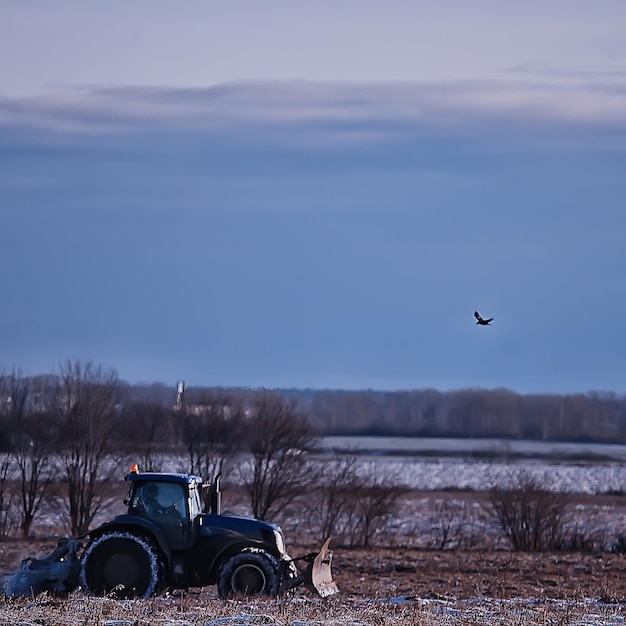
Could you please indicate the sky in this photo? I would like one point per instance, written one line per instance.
(316, 195)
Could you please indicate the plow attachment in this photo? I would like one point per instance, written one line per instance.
(317, 575)
(321, 576)
(56, 573)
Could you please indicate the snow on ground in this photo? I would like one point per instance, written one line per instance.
(438, 474)
(464, 474)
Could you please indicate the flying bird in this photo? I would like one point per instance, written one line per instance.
(481, 320)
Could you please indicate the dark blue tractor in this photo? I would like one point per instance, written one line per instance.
(165, 540)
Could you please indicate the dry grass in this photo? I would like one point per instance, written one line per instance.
(378, 587)
(299, 610)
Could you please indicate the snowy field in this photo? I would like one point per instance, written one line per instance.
(463, 474)
(446, 464)
(443, 493)
(436, 474)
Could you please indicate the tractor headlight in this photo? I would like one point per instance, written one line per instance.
(280, 542)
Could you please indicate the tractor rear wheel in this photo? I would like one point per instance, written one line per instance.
(122, 565)
(250, 573)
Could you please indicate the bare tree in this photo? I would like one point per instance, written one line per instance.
(530, 516)
(375, 503)
(15, 390)
(211, 434)
(31, 453)
(5, 459)
(29, 443)
(85, 403)
(279, 440)
(447, 522)
(353, 504)
(329, 511)
(6, 498)
(145, 428)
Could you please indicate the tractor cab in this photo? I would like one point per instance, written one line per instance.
(170, 501)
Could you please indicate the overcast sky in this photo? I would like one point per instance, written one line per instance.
(289, 194)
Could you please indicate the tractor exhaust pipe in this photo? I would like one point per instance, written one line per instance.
(215, 495)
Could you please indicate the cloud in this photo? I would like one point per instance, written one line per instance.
(343, 110)
(610, 76)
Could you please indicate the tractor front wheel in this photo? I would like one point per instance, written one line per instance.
(122, 565)
(250, 573)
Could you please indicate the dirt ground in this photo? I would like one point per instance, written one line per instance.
(466, 575)
(451, 575)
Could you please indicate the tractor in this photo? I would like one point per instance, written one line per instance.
(165, 541)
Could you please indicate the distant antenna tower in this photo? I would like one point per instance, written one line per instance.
(180, 393)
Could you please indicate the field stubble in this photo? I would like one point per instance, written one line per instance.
(378, 586)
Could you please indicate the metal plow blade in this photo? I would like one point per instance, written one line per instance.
(321, 576)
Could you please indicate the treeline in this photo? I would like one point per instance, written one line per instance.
(472, 413)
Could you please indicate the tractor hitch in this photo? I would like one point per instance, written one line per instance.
(56, 573)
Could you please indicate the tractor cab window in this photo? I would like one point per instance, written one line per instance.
(195, 502)
(160, 500)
